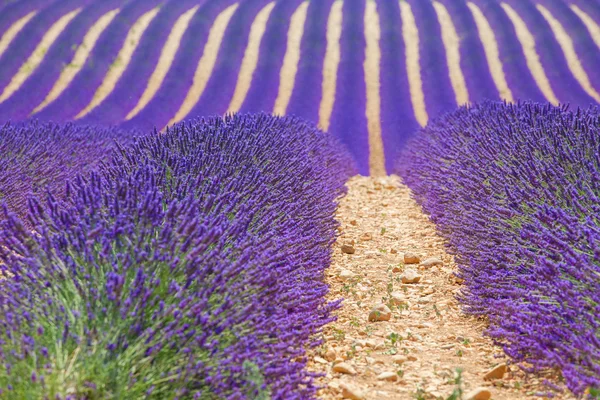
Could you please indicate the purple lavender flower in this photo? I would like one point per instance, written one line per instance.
(188, 265)
(36, 157)
(515, 188)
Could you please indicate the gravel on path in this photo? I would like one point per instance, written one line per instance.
(400, 333)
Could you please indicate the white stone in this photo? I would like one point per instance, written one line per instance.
(432, 262)
(351, 392)
(388, 376)
(380, 312)
(344, 368)
(479, 394)
(410, 276)
(411, 258)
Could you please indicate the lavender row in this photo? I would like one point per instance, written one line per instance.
(39, 158)
(398, 121)
(515, 189)
(435, 78)
(518, 76)
(473, 63)
(348, 117)
(190, 265)
(264, 87)
(306, 95)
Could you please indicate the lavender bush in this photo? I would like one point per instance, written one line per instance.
(37, 157)
(515, 188)
(188, 266)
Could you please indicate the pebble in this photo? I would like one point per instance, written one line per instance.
(352, 393)
(380, 312)
(366, 237)
(427, 291)
(410, 276)
(411, 258)
(393, 251)
(346, 275)
(432, 262)
(398, 359)
(398, 298)
(496, 373)
(388, 376)
(348, 249)
(479, 394)
(330, 355)
(344, 368)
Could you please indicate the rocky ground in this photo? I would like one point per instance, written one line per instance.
(400, 333)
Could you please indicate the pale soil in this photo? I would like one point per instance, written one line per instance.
(434, 343)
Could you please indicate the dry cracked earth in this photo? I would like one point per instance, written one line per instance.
(400, 333)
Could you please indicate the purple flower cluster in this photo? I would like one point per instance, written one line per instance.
(189, 265)
(515, 188)
(36, 157)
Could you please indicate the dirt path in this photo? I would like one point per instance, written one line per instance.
(416, 353)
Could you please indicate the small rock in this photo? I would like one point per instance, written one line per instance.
(344, 368)
(397, 269)
(346, 275)
(393, 251)
(432, 262)
(380, 312)
(479, 394)
(321, 360)
(447, 346)
(387, 376)
(366, 237)
(353, 222)
(370, 360)
(398, 359)
(348, 249)
(410, 276)
(352, 393)
(333, 384)
(330, 355)
(398, 298)
(496, 373)
(411, 258)
(411, 358)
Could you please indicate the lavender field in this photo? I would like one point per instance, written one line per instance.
(170, 172)
(370, 72)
